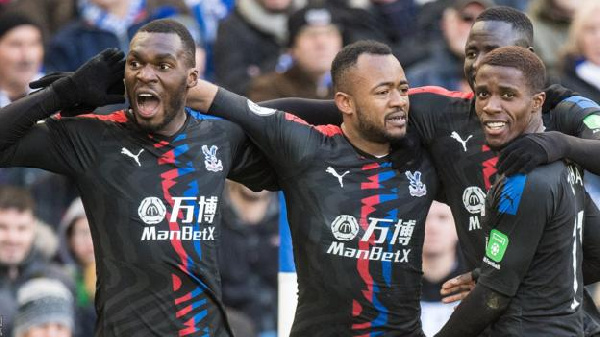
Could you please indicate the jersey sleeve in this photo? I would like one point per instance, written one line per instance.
(577, 116)
(286, 141)
(251, 168)
(61, 146)
(519, 209)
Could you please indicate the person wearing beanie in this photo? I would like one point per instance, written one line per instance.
(45, 309)
(314, 39)
(21, 56)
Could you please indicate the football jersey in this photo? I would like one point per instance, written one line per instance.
(153, 204)
(357, 224)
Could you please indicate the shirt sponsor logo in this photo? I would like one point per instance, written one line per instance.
(378, 232)
(496, 246)
(462, 142)
(211, 161)
(339, 177)
(187, 211)
(416, 188)
(474, 200)
(259, 110)
(344, 227)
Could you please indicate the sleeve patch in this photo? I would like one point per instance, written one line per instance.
(592, 121)
(582, 102)
(511, 194)
(497, 245)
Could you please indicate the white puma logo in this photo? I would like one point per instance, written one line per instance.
(335, 174)
(135, 157)
(458, 139)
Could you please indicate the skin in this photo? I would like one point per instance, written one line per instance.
(375, 108)
(484, 37)
(21, 56)
(505, 105)
(49, 330)
(590, 37)
(275, 6)
(81, 242)
(17, 233)
(456, 26)
(315, 47)
(440, 235)
(156, 65)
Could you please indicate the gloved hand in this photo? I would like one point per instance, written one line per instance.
(96, 83)
(555, 94)
(530, 151)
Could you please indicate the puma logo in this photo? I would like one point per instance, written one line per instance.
(335, 174)
(135, 157)
(456, 136)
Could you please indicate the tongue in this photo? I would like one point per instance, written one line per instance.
(148, 105)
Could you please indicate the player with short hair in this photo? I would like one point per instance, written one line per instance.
(150, 178)
(531, 281)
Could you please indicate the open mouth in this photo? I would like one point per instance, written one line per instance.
(494, 127)
(396, 119)
(147, 104)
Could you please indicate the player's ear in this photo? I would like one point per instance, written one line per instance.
(192, 79)
(538, 101)
(344, 102)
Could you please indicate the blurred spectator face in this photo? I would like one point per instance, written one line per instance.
(440, 234)
(568, 6)
(275, 5)
(17, 233)
(81, 242)
(315, 47)
(457, 24)
(589, 35)
(245, 192)
(21, 55)
(49, 330)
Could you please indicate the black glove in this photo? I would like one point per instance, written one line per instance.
(555, 94)
(97, 83)
(530, 151)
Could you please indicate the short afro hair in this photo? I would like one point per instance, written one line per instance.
(519, 21)
(523, 59)
(348, 56)
(168, 26)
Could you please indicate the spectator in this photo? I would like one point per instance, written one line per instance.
(314, 41)
(444, 66)
(21, 55)
(581, 61)
(441, 262)
(19, 259)
(249, 42)
(248, 255)
(45, 309)
(77, 251)
(551, 20)
(51, 15)
(103, 24)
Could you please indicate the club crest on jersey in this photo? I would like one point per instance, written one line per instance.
(416, 188)
(152, 210)
(211, 161)
(344, 227)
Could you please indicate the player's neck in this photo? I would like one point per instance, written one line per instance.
(173, 126)
(436, 267)
(375, 149)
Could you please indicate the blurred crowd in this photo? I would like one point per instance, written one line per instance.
(264, 49)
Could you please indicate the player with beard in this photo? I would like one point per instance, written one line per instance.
(356, 203)
(531, 281)
(150, 178)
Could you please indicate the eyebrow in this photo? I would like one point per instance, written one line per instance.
(389, 83)
(157, 56)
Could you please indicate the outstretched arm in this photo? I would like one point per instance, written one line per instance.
(314, 111)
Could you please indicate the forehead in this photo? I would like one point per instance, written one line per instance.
(373, 69)
(493, 33)
(156, 43)
(22, 32)
(489, 75)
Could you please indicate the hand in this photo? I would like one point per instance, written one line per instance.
(96, 83)
(118, 88)
(458, 287)
(555, 94)
(530, 151)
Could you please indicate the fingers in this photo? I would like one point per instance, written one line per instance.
(48, 79)
(456, 297)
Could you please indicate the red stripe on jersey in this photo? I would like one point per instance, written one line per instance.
(183, 298)
(176, 284)
(184, 311)
(488, 168)
(191, 328)
(117, 116)
(327, 130)
(440, 91)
